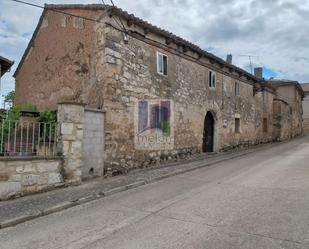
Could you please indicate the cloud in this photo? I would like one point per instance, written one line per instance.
(275, 31)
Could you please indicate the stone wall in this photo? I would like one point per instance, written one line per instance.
(20, 176)
(62, 53)
(100, 67)
(130, 74)
(93, 144)
(306, 114)
(71, 116)
(283, 122)
(290, 95)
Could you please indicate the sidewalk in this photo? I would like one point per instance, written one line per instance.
(16, 211)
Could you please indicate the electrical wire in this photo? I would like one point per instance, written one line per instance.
(63, 12)
(124, 29)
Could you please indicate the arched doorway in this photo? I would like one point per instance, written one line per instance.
(209, 132)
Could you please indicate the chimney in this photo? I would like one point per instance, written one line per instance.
(229, 58)
(258, 72)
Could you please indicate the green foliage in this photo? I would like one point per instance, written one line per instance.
(9, 98)
(48, 117)
(10, 119)
(12, 114)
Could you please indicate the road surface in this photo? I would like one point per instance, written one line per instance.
(260, 200)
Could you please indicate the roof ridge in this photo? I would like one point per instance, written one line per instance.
(159, 31)
(154, 28)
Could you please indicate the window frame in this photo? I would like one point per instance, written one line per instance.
(212, 79)
(158, 63)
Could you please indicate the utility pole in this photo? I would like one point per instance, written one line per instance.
(250, 59)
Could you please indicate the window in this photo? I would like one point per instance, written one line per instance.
(265, 125)
(237, 89)
(161, 63)
(212, 79)
(237, 125)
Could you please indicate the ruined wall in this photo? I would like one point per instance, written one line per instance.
(59, 65)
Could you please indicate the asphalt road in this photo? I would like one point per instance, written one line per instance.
(257, 201)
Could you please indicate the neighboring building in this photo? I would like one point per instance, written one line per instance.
(5, 65)
(306, 108)
(289, 112)
(141, 72)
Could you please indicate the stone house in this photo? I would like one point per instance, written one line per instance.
(114, 61)
(306, 108)
(289, 113)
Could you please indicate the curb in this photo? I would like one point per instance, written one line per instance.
(102, 194)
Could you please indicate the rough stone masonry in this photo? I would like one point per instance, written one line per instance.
(108, 67)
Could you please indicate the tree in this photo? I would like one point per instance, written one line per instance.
(8, 99)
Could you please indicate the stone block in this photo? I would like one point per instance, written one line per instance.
(71, 113)
(79, 134)
(110, 59)
(67, 128)
(29, 168)
(19, 169)
(65, 147)
(76, 147)
(4, 177)
(113, 53)
(69, 137)
(127, 75)
(46, 166)
(73, 164)
(31, 179)
(15, 178)
(54, 178)
(8, 189)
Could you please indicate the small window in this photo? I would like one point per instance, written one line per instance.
(237, 125)
(162, 63)
(237, 89)
(265, 125)
(212, 79)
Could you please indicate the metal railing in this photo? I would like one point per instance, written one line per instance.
(19, 138)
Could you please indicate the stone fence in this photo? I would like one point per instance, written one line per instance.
(25, 175)
(20, 176)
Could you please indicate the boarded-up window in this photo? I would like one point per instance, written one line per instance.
(78, 23)
(265, 125)
(237, 125)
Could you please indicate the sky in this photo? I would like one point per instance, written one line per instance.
(274, 32)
